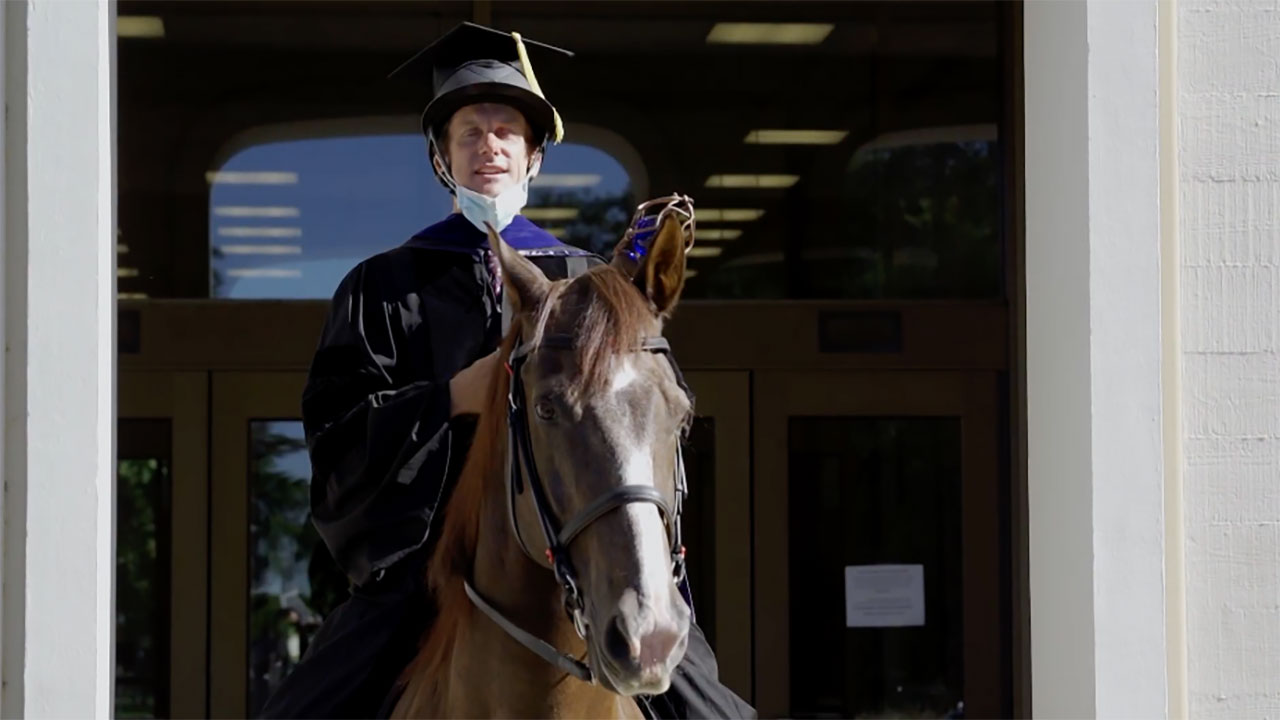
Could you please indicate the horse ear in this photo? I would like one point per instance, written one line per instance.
(661, 272)
(526, 284)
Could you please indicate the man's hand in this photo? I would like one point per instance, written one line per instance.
(469, 389)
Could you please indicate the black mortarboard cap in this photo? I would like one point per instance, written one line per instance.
(474, 64)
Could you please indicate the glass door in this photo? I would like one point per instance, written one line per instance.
(877, 544)
(161, 544)
(717, 524)
(274, 581)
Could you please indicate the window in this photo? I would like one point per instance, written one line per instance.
(289, 218)
(771, 115)
(834, 150)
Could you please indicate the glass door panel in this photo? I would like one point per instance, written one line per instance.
(877, 551)
(262, 538)
(161, 544)
(717, 523)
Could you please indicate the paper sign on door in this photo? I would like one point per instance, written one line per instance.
(884, 595)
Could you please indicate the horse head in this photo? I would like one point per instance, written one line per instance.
(596, 413)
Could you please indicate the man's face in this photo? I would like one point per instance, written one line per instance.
(488, 147)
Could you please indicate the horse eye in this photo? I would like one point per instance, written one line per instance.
(545, 410)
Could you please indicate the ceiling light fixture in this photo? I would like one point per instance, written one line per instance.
(565, 180)
(260, 232)
(261, 249)
(727, 214)
(795, 137)
(139, 26)
(752, 181)
(718, 234)
(264, 273)
(747, 33)
(256, 211)
(242, 177)
(550, 213)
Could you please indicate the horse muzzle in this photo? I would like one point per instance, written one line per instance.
(640, 648)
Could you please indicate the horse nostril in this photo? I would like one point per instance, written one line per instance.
(620, 647)
(657, 647)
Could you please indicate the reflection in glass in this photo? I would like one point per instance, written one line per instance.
(289, 219)
(922, 223)
(648, 75)
(142, 570)
(869, 491)
(294, 583)
(913, 219)
(861, 162)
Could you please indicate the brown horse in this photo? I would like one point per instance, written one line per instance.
(583, 425)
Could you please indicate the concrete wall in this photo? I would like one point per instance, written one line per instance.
(1229, 157)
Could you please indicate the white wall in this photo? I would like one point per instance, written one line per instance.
(1229, 137)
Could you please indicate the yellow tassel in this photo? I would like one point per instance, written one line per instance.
(527, 68)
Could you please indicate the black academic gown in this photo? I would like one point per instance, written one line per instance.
(385, 454)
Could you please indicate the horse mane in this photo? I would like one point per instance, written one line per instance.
(613, 315)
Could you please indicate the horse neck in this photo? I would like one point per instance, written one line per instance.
(486, 656)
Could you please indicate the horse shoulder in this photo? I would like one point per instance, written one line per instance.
(629, 710)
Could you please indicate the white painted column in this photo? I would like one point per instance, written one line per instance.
(59, 372)
(1094, 446)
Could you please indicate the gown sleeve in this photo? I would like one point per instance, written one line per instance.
(381, 449)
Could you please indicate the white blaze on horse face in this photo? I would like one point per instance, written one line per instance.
(655, 572)
(625, 376)
(645, 520)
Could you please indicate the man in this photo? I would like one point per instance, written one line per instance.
(402, 370)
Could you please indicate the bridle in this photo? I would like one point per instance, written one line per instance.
(523, 471)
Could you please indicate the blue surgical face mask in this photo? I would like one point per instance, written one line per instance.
(498, 211)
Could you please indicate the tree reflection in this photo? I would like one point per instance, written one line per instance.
(602, 217)
(295, 582)
(910, 221)
(925, 218)
(142, 590)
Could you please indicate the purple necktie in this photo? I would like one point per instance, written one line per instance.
(495, 272)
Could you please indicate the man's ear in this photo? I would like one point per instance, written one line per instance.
(526, 284)
(535, 163)
(438, 163)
